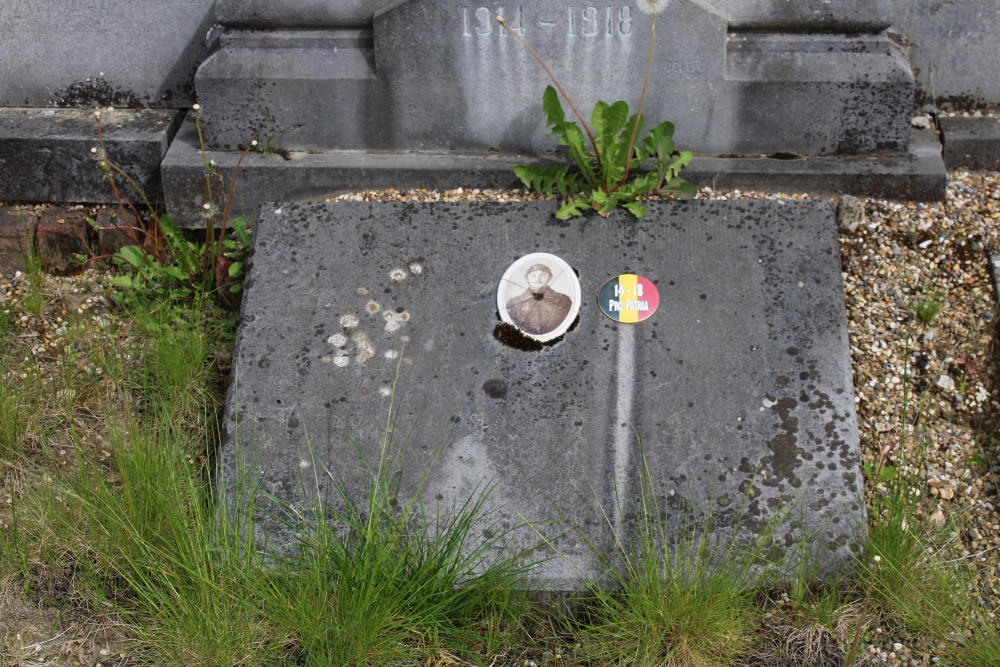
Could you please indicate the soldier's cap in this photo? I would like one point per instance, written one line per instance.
(539, 267)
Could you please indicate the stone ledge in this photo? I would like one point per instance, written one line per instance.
(45, 154)
(973, 143)
(918, 176)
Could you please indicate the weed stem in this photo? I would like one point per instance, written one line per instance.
(642, 102)
(583, 123)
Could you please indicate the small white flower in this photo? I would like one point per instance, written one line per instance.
(253, 143)
(93, 150)
(207, 207)
(197, 107)
(878, 559)
(211, 163)
(97, 114)
(652, 6)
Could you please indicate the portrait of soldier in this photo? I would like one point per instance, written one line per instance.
(539, 309)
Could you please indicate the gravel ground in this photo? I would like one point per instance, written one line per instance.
(921, 311)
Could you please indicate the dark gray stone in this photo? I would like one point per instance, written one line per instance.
(45, 154)
(432, 75)
(995, 274)
(82, 53)
(918, 176)
(973, 143)
(952, 46)
(739, 386)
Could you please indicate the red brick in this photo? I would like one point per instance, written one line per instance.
(62, 234)
(17, 229)
(113, 233)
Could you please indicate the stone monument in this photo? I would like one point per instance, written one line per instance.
(435, 75)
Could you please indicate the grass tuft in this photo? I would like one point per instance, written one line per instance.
(682, 600)
(382, 579)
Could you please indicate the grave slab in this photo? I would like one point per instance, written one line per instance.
(45, 154)
(738, 387)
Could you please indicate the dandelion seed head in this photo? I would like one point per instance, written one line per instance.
(651, 6)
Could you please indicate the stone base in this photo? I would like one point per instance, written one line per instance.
(45, 154)
(972, 143)
(918, 176)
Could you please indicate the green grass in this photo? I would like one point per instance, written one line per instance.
(13, 423)
(685, 598)
(7, 324)
(929, 307)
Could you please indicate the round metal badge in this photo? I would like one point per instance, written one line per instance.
(628, 298)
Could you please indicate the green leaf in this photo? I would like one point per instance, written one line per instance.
(682, 189)
(636, 208)
(168, 226)
(574, 138)
(133, 255)
(660, 142)
(571, 208)
(552, 107)
(549, 179)
(608, 204)
(236, 287)
(235, 269)
(176, 272)
(240, 230)
(885, 473)
(122, 281)
(609, 122)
